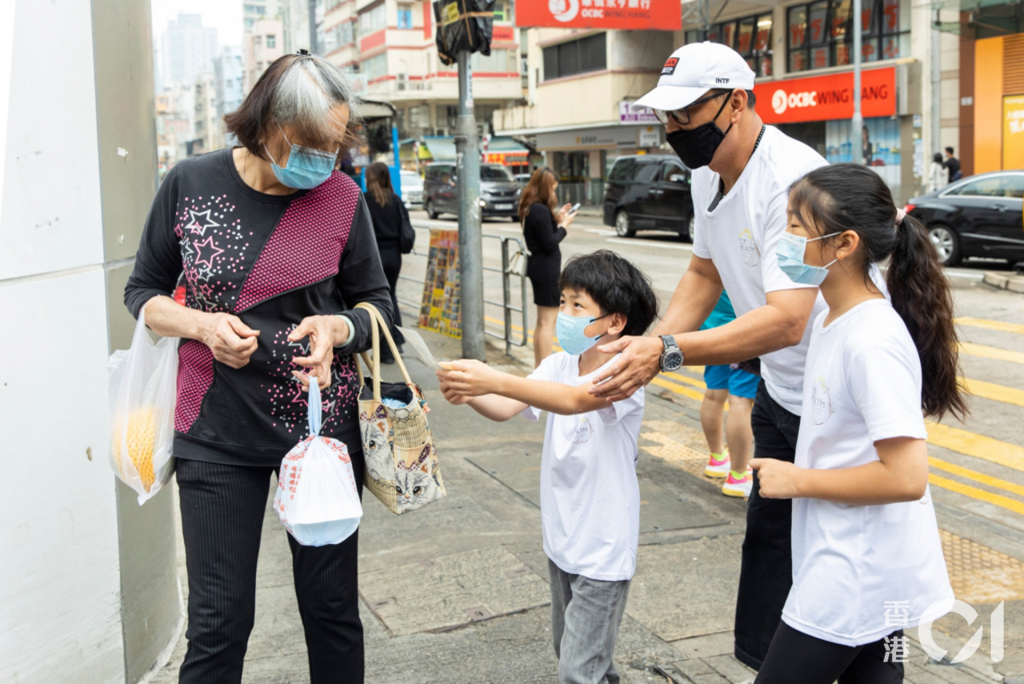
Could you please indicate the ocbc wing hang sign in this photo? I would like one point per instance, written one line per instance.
(662, 15)
(823, 98)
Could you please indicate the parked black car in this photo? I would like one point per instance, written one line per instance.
(978, 216)
(648, 192)
(499, 192)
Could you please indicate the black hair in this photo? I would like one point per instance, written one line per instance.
(937, 157)
(851, 197)
(616, 285)
(949, 149)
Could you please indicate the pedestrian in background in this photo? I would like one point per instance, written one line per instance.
(952, 166)
(393, 229)
(276, 248)
(729, 456)
(937, 174)
(867, 559)
(543, 228)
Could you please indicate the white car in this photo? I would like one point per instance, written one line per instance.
(412, 189)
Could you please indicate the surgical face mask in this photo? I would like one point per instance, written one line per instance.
(306, 167)
(571, 333)
(790, 253)
(697, 147)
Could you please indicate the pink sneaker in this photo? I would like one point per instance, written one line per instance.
(738, 486)
(718, 465)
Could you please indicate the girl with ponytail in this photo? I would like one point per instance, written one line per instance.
(867, 562)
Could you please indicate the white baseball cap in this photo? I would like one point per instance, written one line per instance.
(694, 69)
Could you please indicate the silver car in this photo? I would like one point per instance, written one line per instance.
(412, 189)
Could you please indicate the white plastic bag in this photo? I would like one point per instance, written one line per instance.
(317, 499)
(143, 386)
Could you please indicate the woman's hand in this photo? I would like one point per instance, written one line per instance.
(566, 216)
(231, 341)
(451, 395)
(777, 479)
(468, 379)
(324, 333)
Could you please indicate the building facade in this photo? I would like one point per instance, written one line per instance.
(261, 47)
(209, 131)
(387, 48)
(188, 49)
(802, 55)
(229, 73)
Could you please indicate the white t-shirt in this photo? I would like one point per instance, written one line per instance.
(740, 236)
(862, 572)
(589, 495)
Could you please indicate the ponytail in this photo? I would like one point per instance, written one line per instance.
(921, 296)
(842, 197)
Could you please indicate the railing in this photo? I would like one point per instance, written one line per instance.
(509, 334)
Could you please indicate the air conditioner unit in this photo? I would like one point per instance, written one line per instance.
(403, 81)
(442, 132)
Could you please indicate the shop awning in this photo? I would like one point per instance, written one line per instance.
(507, 145)
(440, 149)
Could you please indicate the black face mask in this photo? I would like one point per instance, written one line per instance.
(697, 147)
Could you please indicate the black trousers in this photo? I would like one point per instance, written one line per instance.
(798, 658)
(222, 510)
(766, 570)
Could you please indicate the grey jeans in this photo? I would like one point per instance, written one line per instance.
(585, 617)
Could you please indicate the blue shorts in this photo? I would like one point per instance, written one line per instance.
(740, 383)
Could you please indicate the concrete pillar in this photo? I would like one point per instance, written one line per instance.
(88, 581)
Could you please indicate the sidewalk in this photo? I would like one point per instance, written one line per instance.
(457, 592)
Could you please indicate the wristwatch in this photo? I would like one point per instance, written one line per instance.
(672, 356)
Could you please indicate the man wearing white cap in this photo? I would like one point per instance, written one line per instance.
(742, 171)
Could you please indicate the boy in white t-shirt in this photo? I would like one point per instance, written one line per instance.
(590, 498)
(867, 560)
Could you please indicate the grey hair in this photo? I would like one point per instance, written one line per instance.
(309, 90)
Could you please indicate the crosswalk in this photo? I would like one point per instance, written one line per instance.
(970, 464)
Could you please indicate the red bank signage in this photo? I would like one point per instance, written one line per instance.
(822, 98)
(663, 15)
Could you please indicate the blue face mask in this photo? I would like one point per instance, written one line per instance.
(790, 253)
(571, 335)
(306, 167)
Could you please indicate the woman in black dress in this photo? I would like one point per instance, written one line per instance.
(389, 216)
(543, 228)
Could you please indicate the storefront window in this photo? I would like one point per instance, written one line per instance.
(750, 36)
(821, 34)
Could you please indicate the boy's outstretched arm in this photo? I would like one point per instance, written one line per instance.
(498, 409)
(475, 379)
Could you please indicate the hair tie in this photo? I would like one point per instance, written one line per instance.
(899, 217)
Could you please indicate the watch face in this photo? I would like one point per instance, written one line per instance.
(672, 361)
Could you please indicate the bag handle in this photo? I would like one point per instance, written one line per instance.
(378, 325)
(314, 417)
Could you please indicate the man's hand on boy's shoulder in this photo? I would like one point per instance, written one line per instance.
(639, 361)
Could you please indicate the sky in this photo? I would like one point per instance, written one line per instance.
(224, 15)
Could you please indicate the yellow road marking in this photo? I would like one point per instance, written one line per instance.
(975, 493)
(976, 476)
(678, 389)
(1001, 326)
(989, 390)
(987, 352)
(978, 446)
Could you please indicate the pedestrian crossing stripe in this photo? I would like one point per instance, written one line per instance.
(987, 352)
(1001, 326)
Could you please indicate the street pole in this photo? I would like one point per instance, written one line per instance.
(311, 8)
(471, 275)
(858, 120)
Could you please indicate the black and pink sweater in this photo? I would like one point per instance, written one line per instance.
(271, 261)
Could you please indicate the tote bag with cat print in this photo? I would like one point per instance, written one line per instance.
(401, 462)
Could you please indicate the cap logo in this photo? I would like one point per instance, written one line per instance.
(720, 80)
(670, 66)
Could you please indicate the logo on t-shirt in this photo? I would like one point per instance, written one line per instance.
(584, 431)
(748, 248)
(670, 66)
(821, 401)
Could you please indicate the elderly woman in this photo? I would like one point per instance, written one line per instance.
(276, 247)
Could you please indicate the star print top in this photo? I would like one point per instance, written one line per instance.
(271, 260)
